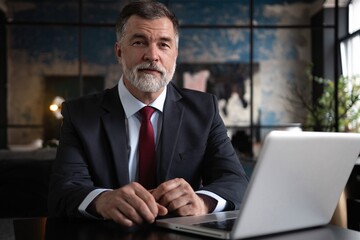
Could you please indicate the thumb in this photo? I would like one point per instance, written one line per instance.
(162, 211)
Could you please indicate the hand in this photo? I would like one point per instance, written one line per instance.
(178, 196)
(128, 205)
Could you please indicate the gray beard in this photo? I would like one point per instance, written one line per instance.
(147, 82)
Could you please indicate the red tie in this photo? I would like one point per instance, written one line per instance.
(147, 158)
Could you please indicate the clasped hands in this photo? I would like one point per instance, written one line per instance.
(133, 204)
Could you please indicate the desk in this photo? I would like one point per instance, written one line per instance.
(63, 229)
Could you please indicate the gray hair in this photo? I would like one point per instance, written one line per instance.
(148, 10)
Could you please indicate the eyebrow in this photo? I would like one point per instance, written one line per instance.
(142, 36)
(137, 35)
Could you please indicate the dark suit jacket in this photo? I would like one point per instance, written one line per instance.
(93, 151)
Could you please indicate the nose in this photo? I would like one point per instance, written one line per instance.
(151, 53)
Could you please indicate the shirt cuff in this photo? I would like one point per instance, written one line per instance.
(221, 203)
(89, 198)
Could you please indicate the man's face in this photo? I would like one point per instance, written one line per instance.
(148, 53)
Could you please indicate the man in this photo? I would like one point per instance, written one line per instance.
(97, 172)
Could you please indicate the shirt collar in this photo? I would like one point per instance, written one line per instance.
(132, 105)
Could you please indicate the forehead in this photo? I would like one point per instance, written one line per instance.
(161, 27)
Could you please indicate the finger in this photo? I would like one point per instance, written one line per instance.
(194, 206)
(170, 196)
(129, 202)
(187, 210)
(162, 211)
(130, 212)
(109, 210)
(179, 202)
(148, 198)
(142, 204)
(165, 187)
(183, 193)
(119, 218)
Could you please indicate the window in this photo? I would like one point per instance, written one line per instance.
(350, 46)
(354, 17)
(254, 50)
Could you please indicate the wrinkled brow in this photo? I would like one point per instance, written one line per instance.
(142, 36)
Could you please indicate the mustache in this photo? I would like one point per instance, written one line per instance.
(150, 66)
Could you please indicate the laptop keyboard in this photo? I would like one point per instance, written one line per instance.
(225, 225)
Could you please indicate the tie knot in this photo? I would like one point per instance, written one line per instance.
(146, 112)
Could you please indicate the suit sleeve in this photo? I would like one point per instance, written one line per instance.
(70, 180)
(223, 173)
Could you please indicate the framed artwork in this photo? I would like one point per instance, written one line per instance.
(230, 82)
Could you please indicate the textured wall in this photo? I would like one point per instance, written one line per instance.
(37, 52)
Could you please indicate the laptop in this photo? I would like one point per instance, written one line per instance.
(296, 184)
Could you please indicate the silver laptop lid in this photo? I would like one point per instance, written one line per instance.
(297, 181)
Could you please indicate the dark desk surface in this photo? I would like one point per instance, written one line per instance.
(64, 229)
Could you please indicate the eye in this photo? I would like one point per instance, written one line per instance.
(138, 43)
(164, 45)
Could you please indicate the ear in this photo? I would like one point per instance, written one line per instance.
(118, 52)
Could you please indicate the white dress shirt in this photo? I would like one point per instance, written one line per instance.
(131, 107)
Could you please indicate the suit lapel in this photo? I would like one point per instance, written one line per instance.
(114, 125)
(172, 119)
